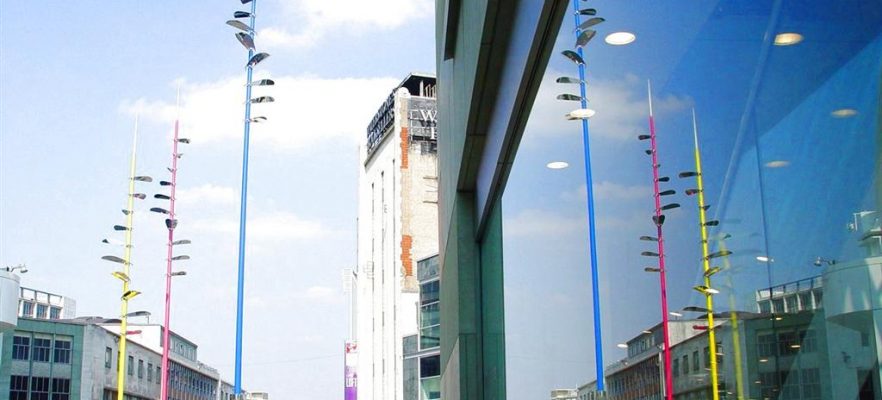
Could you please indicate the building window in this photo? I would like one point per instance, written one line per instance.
(765, 345)
(20, 347)
(39, 388)
(149, 372)
(811, 383)
(430, 316)
(808, 341)
(695, 361)
(54, 313)
(60, 389)
(42, 311)
(131, 366)
(787, 343)
(18, 387)
(676, 367)
(140, 369)
(158, 374)
(62, 351)
(430, 378)
(108, 357)
(41, 350)
(707, 362)
(27, 309)
(686, 365)
(805, 301)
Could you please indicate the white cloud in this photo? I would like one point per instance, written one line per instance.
(540, 223)
(621, 106)
(318, 17)
(274, 227)
(208, 194)
(307, 110)
(610, 191)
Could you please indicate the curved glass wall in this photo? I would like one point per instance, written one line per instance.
(786, 96)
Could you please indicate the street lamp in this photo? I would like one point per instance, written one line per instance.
(171, 223)
(583, 36)
(246, 38)
(20, 267)
(658, 220)
(126, 261)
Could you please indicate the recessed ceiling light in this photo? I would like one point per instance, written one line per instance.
(787, 39)
(764, 259)
(620, 38)
(557, 165)
(622, 346)
(844, 113)
(778, 164)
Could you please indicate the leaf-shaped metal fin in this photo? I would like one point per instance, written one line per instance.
(569, 97)
(263, 99)
(264, 82)
(585, 37)
(120, 228)
(258, 119)
(182, 241)
(658, 220)
(721, 253)
(246, 1)
(652, 269)
(159, 210)
(690, 192)
(688, 174)
(171, 223)
(573, 56)
(126, 212)
(712, 270)
(567, 79)
(588, 11)
(241, 14)
(670, 206)
(257, 58)
(590, 22)
(164, 183)
(143, 179)
(695, 309)
(246, 40)
(161, 196)
(664, 179)
(184, 140)
(667, 192)
(114, 259)
(649, 238)
(705, 207)
(141, 196)
(649, 254)
(712, 223)
(642, 137)
(178, 258)
(239, 25)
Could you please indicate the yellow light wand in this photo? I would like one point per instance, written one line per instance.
(706, 289)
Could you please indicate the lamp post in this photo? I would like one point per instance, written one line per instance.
(246, 38)
(583, 36)
(127, 293)
(170, 223)
(658, 220)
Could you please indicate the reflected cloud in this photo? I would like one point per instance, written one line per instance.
(607, 190)
(540, 223)
(621, 106)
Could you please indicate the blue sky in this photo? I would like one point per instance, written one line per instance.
(72, 77)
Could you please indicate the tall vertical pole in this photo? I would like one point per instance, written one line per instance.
(242, 211)
(702, 217)
(592, 243)
(669, 382)
(130, 206)
(168, 271)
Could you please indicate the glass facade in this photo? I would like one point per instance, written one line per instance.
(786, 103)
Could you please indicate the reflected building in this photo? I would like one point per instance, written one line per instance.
(422, 352)
(397, 226)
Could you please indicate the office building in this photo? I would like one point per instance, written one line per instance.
(77, 359)
(397, 225)
(422, 352)
(43, 305)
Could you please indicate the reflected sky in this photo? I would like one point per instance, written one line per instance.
(790, 198)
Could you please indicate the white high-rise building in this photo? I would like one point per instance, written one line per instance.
(397, 225)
